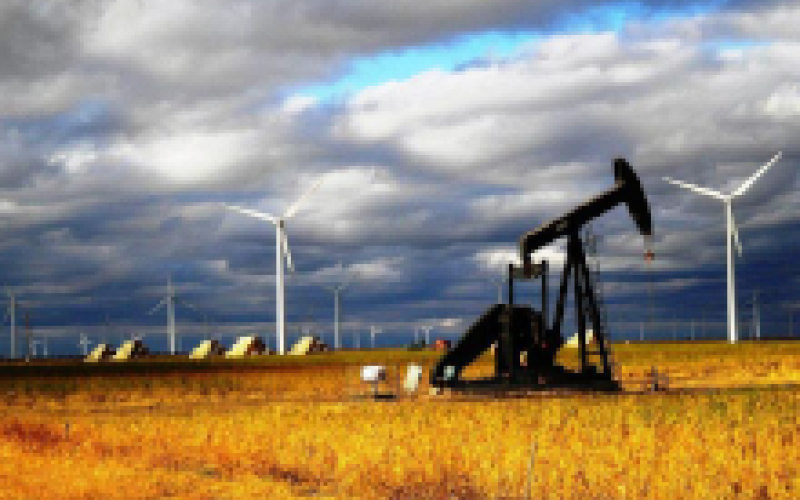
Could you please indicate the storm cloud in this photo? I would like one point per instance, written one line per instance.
(124, 124)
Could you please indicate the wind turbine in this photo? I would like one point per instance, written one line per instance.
(281, 252)
(372, 331)
(34, 344)
(28, 336)
(170, 300)
(84, 343)
(499, 282)
(11, 315)
(731, 234)
(427, 329)
(337, 290)
(43, 343)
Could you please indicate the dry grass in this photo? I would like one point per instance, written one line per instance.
(226, 434)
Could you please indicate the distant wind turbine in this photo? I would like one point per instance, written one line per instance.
(28, 336)
(11, 315)
(44, 344)
(499, 281)
(281, 252)
(732, 234)
(372, 331)
(337, 290)
(170, 300)
(34, 344)
(427, 329)
(84, 343)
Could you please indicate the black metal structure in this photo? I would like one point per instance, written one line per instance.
(526, 346)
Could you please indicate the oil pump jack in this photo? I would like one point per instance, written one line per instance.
(521, 332)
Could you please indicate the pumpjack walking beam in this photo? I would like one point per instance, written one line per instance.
(627, 189)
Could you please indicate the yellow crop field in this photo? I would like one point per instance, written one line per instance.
(277, 428)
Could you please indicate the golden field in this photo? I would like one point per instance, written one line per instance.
(292, 428)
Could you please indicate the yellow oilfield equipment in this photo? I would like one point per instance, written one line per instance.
(101, 351)
(207, 349)
(130, 350)
(308, 345)
(247, 346)
(573, 341)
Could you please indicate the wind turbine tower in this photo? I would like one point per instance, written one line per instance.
(731, 235)
(84, 343)
(281, 252)
(427, 329)
(28, 336)
(11, 315)
(372, 331)
(34, 345)
(170, 300)
(499, 282)
(756, 314)
(337, 290)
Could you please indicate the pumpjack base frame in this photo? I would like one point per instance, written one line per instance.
(559, 379)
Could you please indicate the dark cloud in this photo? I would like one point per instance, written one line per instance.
(123, 126)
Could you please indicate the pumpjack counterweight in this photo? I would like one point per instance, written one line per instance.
(526, 346)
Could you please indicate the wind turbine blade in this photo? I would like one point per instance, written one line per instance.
(736, 236)
(696, 189)
(348, 280)
(296, 205)
(251, 213)
(158, 306)
(749, 182)
(186, 303)
(285, 249)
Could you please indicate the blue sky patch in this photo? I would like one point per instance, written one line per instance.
(399, 65)
(480, 48)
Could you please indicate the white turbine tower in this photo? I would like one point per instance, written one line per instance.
(372, 331)
(170, 300)
(427, 329)
(34, 345)
(732, 235)
(84, 343)
(499, 281)
(44, 344)
(337, 290)
(11, 315)
(281, 252)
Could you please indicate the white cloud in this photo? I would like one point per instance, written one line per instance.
(784, 102)
(191, 157)
(495, 260)
(381, 269)
(76, 159)
(8, 207)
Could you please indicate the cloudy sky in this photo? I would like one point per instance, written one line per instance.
(443, 131)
